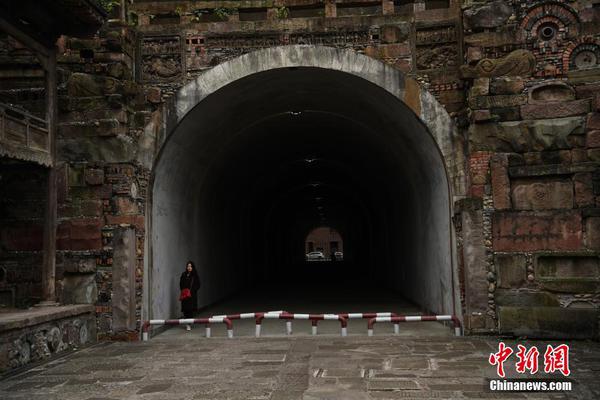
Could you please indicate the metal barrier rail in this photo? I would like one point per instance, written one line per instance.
(414, 318)
(189, 321)
(314, 318)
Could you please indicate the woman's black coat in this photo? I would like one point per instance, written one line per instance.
(190, 281)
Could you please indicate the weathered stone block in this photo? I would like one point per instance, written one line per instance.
(523, 136)
(80, 208)
(80, 234)
(579, 155)
(481, 115)
(572, 266)
(592, 233)
(499, 100)
(474, 54)
(500, 182)
(570, 285)
(153, 95)
(522, 231)
(584, 190)
(487, 16)
(123, 268)
(107, 127)
(512, 272)
(592, 139)
(551, 92)
(78, 265)
(474, 259)
(481, 87)
(555, 109)
(125, 206)
(80, 289)
(593, 154)
(525, 298)
(548, 322)
(545, 170)
(506, 113)
(394, 33)
(94, 176)
(542, 195)
(593, 121)
(507, 85)
(587, 91)
(134, 220)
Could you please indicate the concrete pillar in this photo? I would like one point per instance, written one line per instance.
(123, 275)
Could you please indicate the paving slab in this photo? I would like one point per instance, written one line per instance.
(180, 365)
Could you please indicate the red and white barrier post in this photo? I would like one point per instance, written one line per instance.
(414, 318)
(314, 318)
(188, 321)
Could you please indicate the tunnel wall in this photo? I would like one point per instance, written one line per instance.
(434, 290)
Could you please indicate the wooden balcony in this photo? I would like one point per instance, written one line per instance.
(24, 136)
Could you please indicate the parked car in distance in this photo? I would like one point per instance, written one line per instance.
(315, 255)
(339, 256)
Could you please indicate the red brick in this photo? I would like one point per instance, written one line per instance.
(80, 234)
(500, 182)
(478, 166)
(524, 231)
(135, 220)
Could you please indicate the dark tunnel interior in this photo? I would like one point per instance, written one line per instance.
(258, 164)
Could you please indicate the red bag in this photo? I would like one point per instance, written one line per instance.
(185, 294)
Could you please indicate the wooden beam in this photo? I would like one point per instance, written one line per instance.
(19, 34)
(49, 258)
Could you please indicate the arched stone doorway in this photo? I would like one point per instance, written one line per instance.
(246, 147)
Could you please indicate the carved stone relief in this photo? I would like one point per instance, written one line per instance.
(517, 63)
(161, 59)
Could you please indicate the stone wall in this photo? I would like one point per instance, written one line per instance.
(530, 70)
(43, 333)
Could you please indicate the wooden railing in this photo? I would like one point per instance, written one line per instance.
(24, 136)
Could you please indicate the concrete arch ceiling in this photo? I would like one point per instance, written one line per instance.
(249, 147)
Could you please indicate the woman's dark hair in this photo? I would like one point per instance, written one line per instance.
(192, 264)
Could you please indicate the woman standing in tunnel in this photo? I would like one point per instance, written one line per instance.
(189, 280)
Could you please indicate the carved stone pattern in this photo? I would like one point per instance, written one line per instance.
(437, 35)
(203, 52)
(161, 59)
(560, 14)
(519, 62)
(437, 57)
(585, 56)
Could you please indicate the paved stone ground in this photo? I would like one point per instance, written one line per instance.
(185, 365)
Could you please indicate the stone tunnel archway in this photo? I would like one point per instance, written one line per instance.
(244, 149)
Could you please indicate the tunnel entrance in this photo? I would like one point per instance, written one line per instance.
(323, 243)
(239, 180)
